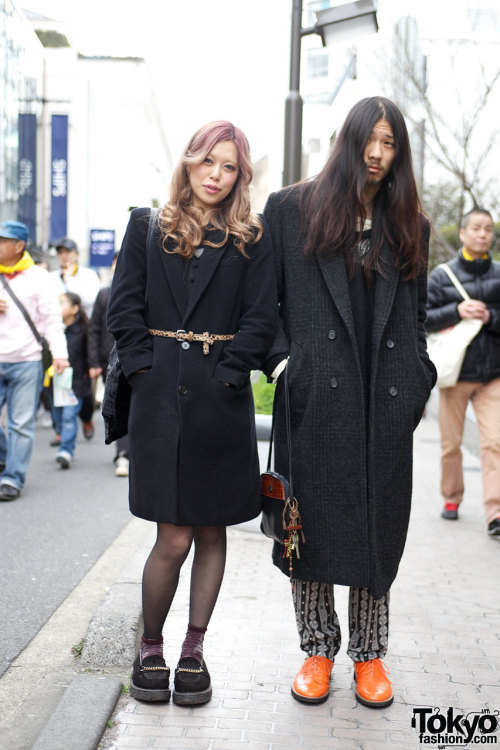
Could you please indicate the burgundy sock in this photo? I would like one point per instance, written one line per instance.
(193, 643)
(151, 647)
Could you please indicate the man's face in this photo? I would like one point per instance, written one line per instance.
(67, 258)
(379, 152)
(477, 236)
(10, 251)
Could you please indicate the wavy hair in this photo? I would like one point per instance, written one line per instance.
(180, 220)
(333, 201)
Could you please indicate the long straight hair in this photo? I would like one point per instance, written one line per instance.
(180, 220)
(333, 201)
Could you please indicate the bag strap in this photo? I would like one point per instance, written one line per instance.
(288, 432)
(454, 280)
(20, 305)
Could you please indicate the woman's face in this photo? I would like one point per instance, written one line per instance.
(213, 179)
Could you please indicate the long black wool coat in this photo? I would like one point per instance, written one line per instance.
(351, 455)
(193, 453)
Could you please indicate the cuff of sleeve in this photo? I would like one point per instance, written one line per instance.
(228, 375)
(271, 364)
(132, 363)
(278, 370)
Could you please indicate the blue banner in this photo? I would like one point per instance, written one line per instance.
(26, 172)
(102, 247)
(59, 178)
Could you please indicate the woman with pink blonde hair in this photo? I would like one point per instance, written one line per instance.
(193, 309)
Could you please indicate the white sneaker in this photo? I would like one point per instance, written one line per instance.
(121, 466)
(63, 458)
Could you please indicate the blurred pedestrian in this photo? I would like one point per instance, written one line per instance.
(193, 313)
(479, 378)
(351, 251)
(40, 259)
(73, 277)
(100, 342)
(66, 417)
(27, 301)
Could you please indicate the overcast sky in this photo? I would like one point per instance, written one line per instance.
(216, 59)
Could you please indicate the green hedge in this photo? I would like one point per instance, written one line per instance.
(263, 395)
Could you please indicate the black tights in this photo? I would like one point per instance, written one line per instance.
(161, 573)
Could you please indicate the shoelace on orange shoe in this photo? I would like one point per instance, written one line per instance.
(373, 665)
(315, 663)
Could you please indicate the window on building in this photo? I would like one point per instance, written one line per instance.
(317, 63)
(484, 19)
(312, 8)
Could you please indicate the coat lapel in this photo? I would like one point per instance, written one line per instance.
(174, 267)
(335, 275)
(208, 266)
(385, 290)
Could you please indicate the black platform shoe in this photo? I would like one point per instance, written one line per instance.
(150, 679)
(191, 683)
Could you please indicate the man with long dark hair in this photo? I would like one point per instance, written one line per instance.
(351, 251)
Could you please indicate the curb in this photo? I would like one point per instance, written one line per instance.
(69, 725)
(113, 631)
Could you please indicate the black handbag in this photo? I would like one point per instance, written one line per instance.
(117, 391)
(115, 406)
(46, 353)
(280, 520)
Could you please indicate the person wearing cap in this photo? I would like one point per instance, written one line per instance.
(21, 353)
(73, 277)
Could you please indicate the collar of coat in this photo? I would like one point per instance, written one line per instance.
(475, 267)
(174, 267)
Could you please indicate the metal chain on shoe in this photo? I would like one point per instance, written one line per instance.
(154, 669)
(191, 671)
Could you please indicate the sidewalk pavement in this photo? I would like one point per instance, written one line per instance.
(444, 646)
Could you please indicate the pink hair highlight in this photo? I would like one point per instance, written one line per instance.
(180, 220)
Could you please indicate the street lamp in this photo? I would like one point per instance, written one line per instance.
(332, 25)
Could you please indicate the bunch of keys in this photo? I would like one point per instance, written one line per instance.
(293, 528)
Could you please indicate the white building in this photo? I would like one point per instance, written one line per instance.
(114, 150)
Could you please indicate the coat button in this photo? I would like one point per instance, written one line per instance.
(186, 345)
(332, 335)
(182, 390)
(393, 391)
(333, 383)
(390, 344)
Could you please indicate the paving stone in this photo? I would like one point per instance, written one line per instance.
(444, 647)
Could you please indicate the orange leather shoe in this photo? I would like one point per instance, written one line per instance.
(312, 684)
(373, 687)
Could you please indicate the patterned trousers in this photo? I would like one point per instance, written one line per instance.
(319, 628)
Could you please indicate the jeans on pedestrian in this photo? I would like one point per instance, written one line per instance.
(66, 425)
(20, 386)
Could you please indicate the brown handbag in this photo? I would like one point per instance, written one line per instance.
(281, 519)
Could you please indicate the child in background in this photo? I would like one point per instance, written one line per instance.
(66, 417)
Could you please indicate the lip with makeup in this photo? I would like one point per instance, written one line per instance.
(212, 189)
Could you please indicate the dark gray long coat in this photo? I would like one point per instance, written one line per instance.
(193, 450)
(352, 470)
